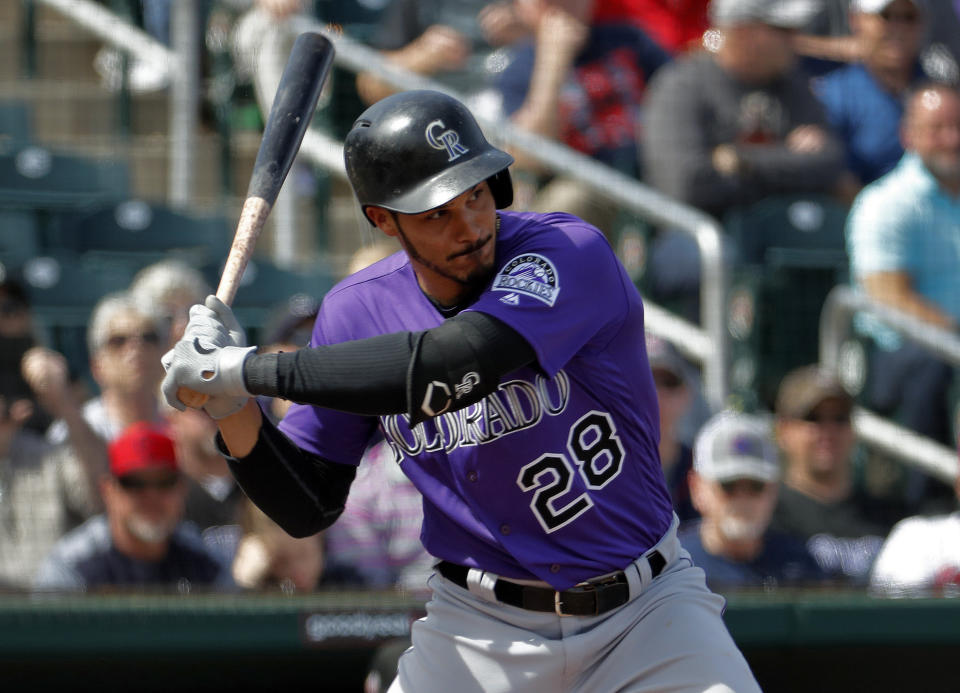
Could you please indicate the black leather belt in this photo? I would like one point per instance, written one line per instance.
(587, 599)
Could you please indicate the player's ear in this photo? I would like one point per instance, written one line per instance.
(382, 219)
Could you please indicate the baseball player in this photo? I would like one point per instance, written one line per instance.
(502, 356)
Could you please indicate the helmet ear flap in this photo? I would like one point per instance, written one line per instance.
(501, 186)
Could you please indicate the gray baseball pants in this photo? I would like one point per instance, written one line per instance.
(668, 638)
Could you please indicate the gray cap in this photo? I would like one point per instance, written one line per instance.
(732, 445)
(787, 14)
(876, 6)
(662, 354)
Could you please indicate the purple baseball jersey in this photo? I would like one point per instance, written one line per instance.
(555, 475)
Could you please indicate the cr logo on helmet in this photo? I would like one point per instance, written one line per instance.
(448, 139)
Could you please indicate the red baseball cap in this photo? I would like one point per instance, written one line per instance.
(141, 446)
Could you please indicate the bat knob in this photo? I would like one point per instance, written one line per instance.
(192, 398)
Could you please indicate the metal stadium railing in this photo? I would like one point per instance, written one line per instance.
(845, 357)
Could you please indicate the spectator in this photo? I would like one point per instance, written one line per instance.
(734, 487)
(141, 540)
(440, 39)
(213, 498)
(269, 558)
(674, 396)
(167, 289)
(44, 491)
(125, 345)
(731, 126)
(376, 541)
(865, 99)
(827, 42)
(920, 556)
(581, 84)
(18, 334)
(677, 25)
(819, 501)
(902, 243)
(738, 122)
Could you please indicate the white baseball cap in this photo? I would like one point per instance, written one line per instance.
(732, 445)
(787, 14)
(876, 6)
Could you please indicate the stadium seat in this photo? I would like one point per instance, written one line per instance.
(15, 123)
(19, 239)
(33, 177)
(63, 289)
(790, 253)
(138, 233)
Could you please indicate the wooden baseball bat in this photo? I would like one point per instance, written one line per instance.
(304, 75)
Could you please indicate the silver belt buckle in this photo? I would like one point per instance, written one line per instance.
(558, 605)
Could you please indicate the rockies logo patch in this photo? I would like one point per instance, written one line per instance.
(529, 274)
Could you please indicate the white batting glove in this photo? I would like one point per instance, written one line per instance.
(210, 369)
(219, 407)
(209, 359)
(227, 319)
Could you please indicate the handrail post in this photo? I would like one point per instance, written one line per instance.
(713, 311)
(184, 101)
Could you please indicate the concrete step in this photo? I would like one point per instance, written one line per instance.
(64, 108)
(149, 158)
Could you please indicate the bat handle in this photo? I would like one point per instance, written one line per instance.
(252, 218)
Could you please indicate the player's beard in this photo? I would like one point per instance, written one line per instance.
(475, 280)
(148, 531)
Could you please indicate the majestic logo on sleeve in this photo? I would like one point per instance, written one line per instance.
(438, 138)
(529, 274)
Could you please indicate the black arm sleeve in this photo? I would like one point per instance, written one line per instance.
(388, 374)
(302, 493)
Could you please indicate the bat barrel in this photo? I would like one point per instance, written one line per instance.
(293, 105)
(307, 69)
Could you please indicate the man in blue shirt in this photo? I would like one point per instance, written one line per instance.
(903, 238)
(734, 486)
(864, 100)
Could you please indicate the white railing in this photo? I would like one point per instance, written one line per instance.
(182, 65)
(844, 358)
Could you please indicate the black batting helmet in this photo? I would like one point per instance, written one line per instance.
(417, 150)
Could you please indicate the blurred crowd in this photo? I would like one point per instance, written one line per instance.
(720, 105)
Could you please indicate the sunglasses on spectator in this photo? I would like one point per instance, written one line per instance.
(754, 487)
(666, 380)
(900, 17)
(116, 342)
(137, 483)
